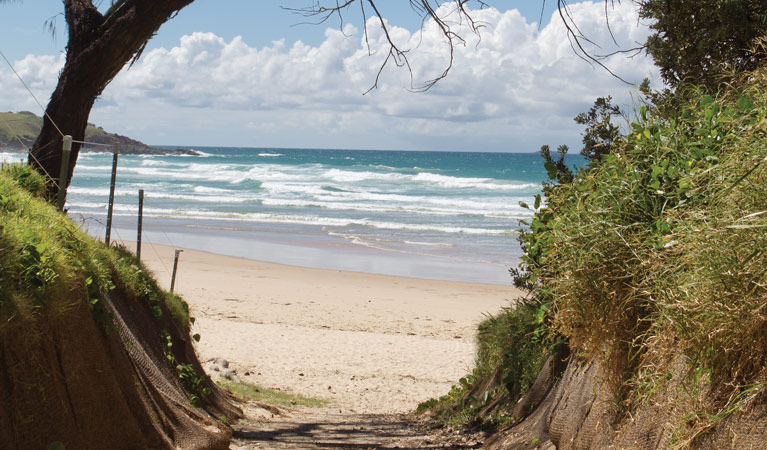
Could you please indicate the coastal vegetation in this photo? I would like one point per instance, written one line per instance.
(250, 392)
(645, 269)
(89, 341)
(650, 262)
(647, 303)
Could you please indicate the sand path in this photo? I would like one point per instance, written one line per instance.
(315, 430)
(374, 346)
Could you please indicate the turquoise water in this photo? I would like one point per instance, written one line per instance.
(425, 211)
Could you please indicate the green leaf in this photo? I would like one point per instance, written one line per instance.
(551, 169)
(537, 201)
(745, 105)
(196, 337)
(524, 205)
(662, 227)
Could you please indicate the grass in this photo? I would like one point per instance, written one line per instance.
(47, 265)
(656, 255)
(52, 258)
(512, 347)
(250, 392)
(659, 252)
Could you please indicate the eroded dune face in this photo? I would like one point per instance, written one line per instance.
(87, 360)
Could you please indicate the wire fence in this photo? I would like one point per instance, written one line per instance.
(33, 155)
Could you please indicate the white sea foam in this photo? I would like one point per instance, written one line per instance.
(212, 190)
(87, 168)
(454, 209)
(122, 209)
(99, 192)
(199, 198)
(471, 183)
(430, 244)
(348, 176)
(419, 207)
(160, 163)
(12, 157)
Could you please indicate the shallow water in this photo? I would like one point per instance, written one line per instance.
(444, 215)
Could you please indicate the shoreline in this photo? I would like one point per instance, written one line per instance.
(308, 246)
(365, 342)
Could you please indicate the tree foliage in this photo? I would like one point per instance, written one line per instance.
(702, 40)
(601, 135)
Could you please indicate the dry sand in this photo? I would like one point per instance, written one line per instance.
(368, 343)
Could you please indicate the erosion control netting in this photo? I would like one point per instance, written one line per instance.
(579, 412)
(88, 384)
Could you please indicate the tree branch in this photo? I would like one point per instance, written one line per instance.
(397, 55)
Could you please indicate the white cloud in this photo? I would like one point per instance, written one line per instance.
(38, 72)
(513, 89)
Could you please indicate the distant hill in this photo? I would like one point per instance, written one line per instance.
(18, 131)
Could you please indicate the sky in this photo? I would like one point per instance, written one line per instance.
(252, 74)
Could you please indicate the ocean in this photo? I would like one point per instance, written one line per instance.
(439, 215)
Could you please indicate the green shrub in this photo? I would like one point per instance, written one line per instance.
(27, 178)
(661, 248)
(512, 348)
(45, 257)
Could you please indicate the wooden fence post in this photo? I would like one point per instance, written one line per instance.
(140, 220)
(64, 171)
(175, 266)
(115, 152)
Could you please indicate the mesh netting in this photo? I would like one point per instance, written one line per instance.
(65, 377)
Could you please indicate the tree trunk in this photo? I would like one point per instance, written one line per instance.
(98, 47)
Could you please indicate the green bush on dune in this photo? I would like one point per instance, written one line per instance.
(661, 247)
(657, 252)
(46, 258)
(93, 350)
(512, 347)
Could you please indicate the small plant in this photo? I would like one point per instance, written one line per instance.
(37, 268)
(191, 380)
(512, 348)
(28, 179)
(246, 391)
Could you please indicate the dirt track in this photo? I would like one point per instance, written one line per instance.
(323, 428)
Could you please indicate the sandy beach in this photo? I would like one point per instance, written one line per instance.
(368, 343)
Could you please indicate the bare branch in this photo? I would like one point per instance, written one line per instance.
(452, 28)
(576, 38)
(397, 55)
(607, 22)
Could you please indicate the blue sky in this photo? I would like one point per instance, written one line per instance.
(23, 23)
(249, 74)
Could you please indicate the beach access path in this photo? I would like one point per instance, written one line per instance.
(374, 346)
